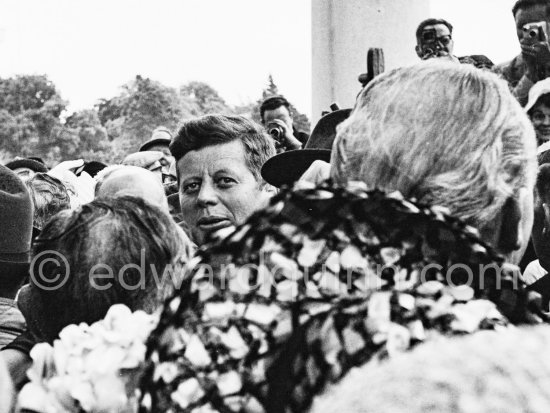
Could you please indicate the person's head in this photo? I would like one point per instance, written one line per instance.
(538, 109)
(120, 250)
(505, 372)
(160, 142)
(276, 107)
(16, 217)
(541, 226)
(530, 11)
(49, 196)
(434, 37)
(219, 159)
(540, 118)
(125, 180)
(463, 143)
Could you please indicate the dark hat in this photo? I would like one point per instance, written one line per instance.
(161, 136)
(287, 167)
(32, 164)
(16, 214)
(92, 168)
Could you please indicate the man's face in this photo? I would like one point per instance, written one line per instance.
(217, 189)
(540, 118)
(533, 14)
(438, 39)
(280, 113)
(168, 159)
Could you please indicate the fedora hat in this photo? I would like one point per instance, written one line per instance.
(287, 167)
(16, 215)
(160, 136)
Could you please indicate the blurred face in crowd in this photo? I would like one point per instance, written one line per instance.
(533, 14)
(436, 37)
(280, 113)
(168, 158)
(217, 189)
(540, 117)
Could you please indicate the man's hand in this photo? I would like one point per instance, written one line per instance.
(535, 55)
(288, 140)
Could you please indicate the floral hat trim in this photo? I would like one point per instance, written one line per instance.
(322, 280)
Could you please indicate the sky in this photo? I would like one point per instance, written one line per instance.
(89, 48)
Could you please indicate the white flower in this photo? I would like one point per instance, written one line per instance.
(235, 343)
(167, 371)
(196, 353)
(229, 383)
(89, 368)
(187, 393)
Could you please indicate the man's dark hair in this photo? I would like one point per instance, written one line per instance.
(272, 103)
(525, 4)
(213, 130)
(113, 236)
(432, 22)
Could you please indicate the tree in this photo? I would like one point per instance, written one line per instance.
(204, 98)
(271, 89)
(142, 106)
(301, 121)
(30, 110)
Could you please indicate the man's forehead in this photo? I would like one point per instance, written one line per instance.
(277, 111)
(532, 14)
(440, 29)
(213, 158)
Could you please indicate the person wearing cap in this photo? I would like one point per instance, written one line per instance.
(218, 161)
(538, 109)
(160, 142)
(126, 180)
(26, 168)
(277, 119)
(16, 220)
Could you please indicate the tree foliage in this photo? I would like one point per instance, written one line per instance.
(34, 119)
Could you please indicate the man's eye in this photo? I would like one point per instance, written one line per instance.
(190, 188)
(226, 181)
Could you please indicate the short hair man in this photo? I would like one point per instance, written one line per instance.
(218, 161)
(434, 38)
(531, 65)
(277, 119)
(125, 180)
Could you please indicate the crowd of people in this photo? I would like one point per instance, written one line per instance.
(230, 266)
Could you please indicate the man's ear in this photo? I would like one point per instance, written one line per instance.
(508, 233)
(418, 51)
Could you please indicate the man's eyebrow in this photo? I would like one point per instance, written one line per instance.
(224, 170)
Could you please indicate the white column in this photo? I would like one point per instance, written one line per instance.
(343, 31)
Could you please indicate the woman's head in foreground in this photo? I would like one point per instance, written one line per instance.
(120, 250)
(448, 135)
